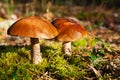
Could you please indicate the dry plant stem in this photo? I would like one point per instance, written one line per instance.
(97, 73)
(67, 48)
(35, 53)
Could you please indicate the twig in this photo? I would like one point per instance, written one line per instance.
(97, 73)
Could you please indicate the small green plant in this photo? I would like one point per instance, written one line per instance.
(79, 45)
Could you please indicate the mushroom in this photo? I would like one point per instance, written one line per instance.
(68, 31)
(36, 28)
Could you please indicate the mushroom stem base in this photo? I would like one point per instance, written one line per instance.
(35, 53)
(67, 48)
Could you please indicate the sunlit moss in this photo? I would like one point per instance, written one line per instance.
(15, 61)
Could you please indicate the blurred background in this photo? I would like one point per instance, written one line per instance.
(93, 14)
(93, 10)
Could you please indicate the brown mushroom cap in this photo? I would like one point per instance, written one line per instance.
(59, 21)
(33, 26)
(69, 30)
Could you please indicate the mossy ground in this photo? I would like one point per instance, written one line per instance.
(15, 61)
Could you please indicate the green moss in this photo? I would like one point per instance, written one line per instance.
(15, 60)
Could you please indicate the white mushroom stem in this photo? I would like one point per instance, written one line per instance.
(35, 53)
(67, 48)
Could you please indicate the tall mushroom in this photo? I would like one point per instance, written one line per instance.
(36, 28)
(69, 30)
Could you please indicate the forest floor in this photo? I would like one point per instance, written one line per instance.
(109, 33)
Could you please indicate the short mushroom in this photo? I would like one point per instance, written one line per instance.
(36, 28)
(68, 31)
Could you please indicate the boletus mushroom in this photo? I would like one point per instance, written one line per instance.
(68, 31)
(36, 28)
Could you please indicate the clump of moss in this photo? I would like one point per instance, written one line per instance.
(15, 61)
